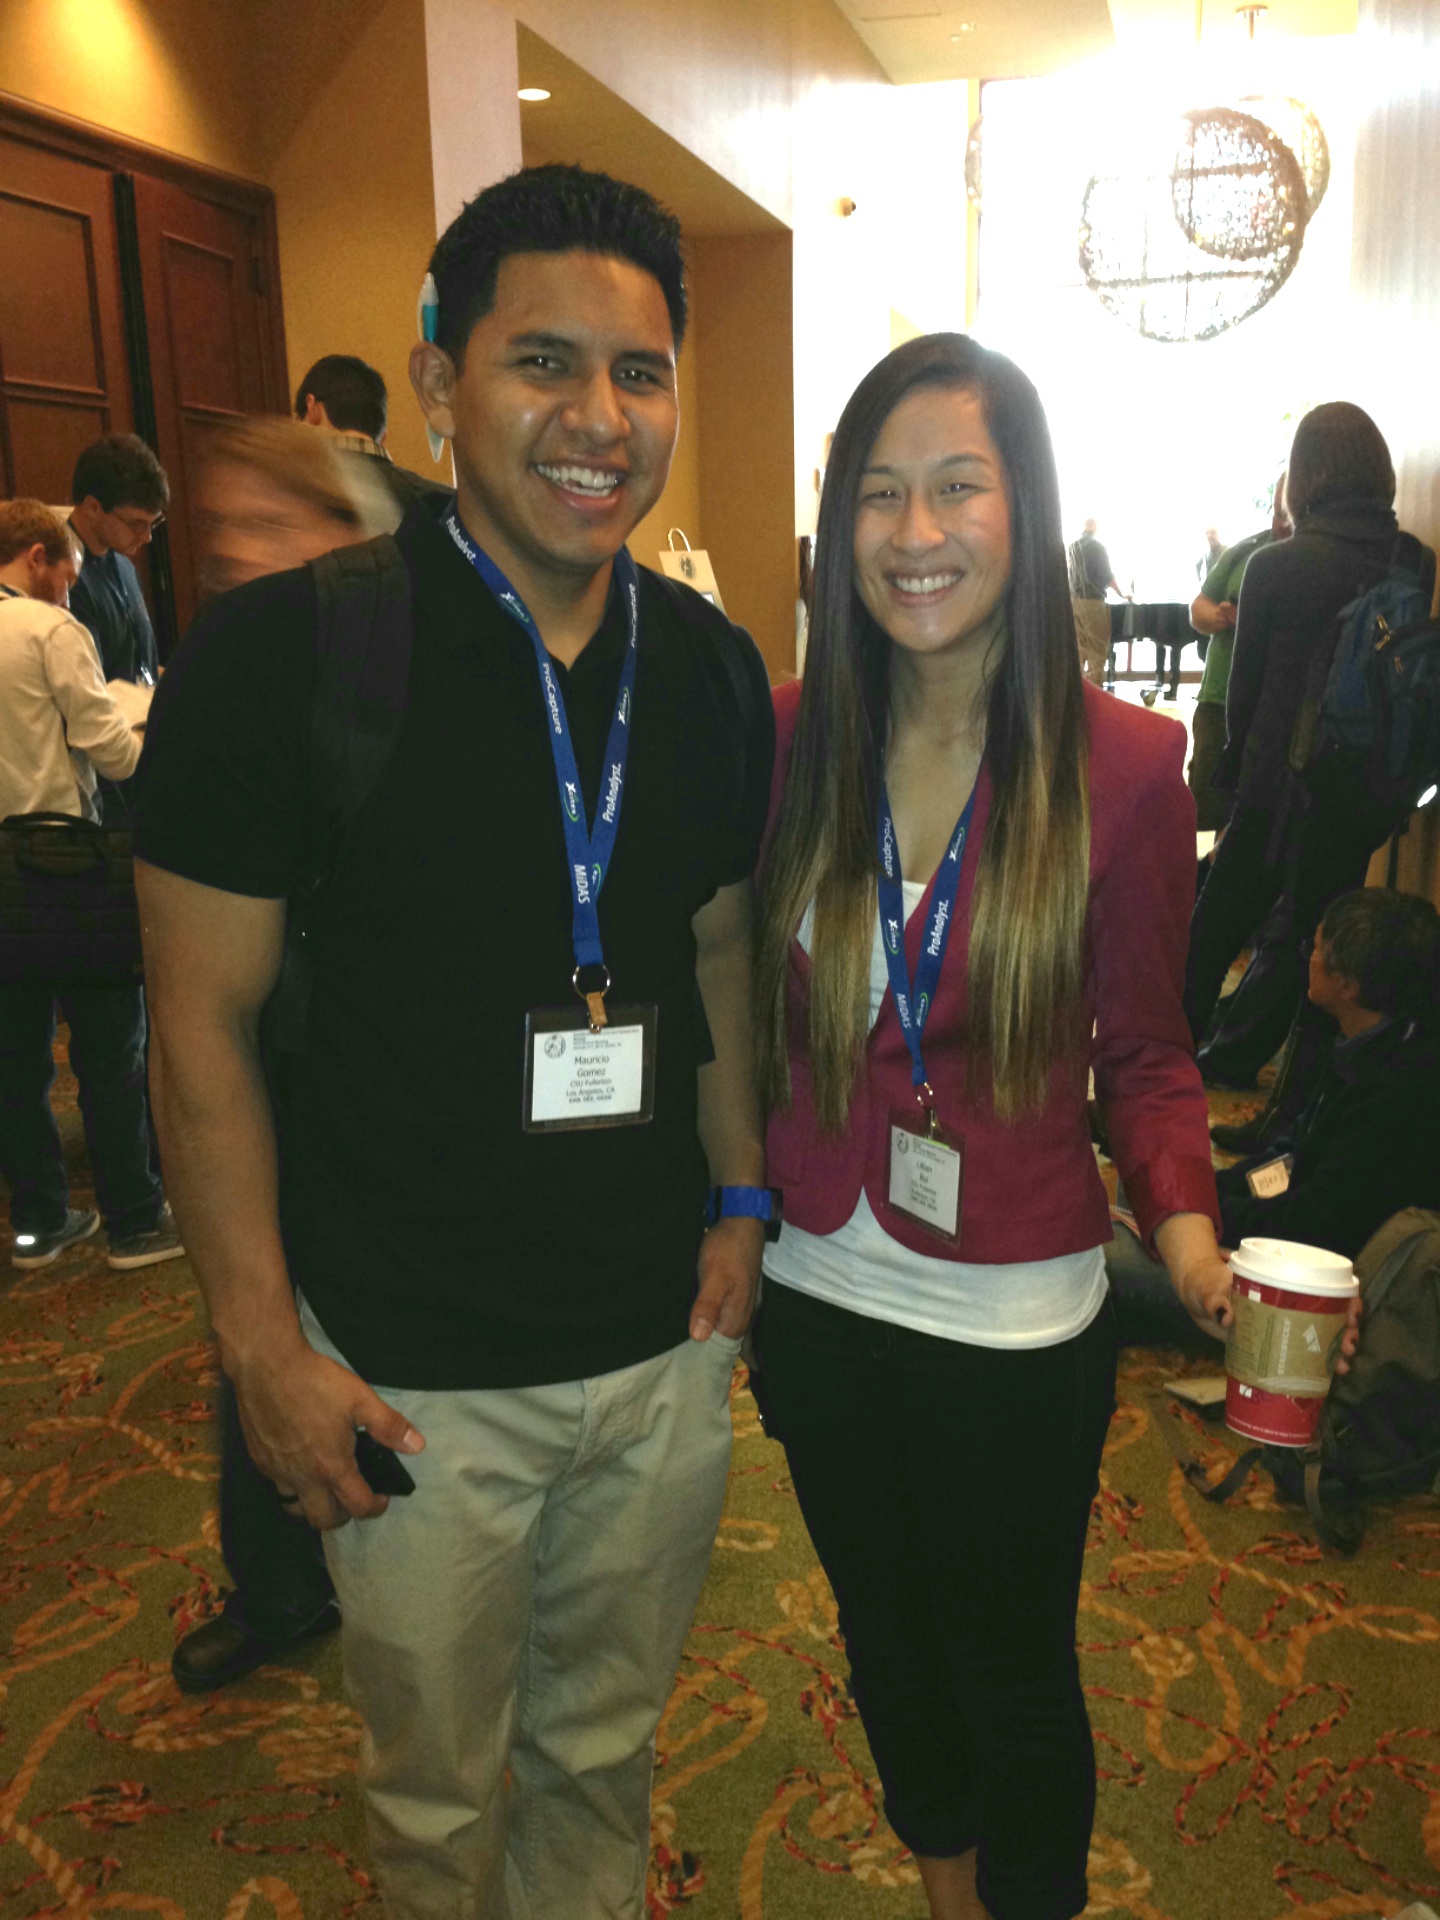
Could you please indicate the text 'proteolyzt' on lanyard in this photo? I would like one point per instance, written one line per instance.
(587, 853)
(913, 1000)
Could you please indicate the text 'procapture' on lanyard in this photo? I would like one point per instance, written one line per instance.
(587, 853)
(914, 999)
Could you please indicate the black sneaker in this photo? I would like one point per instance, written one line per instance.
(39, 1249)
(162, 1242)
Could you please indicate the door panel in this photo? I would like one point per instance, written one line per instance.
(210, 338)
(64, 377)
(46, 438)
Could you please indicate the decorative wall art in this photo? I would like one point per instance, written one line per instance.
(1185, 247)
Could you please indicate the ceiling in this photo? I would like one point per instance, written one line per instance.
(584, 122)
(918, 40)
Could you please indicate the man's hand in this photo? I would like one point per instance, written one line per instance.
(1226, 612)
(1350, 1339)
(299, 1412)
(729, 1278)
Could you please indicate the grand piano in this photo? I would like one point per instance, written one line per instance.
(1166, 624)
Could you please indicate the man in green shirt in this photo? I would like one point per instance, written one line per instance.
(1213, 613)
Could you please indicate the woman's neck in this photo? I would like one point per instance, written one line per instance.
(938, 699)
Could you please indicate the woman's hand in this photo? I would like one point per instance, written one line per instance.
(1204, 1291)
(1199, 1271)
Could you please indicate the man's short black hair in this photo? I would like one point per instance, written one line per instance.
(1388, 943)
(120, 471)
(351, 392)
(550, 209)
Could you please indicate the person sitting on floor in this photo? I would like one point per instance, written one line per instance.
(1368, 1144)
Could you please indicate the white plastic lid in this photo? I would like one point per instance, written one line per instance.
(1286, 1263)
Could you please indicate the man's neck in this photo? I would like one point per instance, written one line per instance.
(1357, 1020)
(567, 607)
(86, 526)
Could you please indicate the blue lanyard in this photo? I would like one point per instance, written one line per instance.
(913, 1001)
(588, 854)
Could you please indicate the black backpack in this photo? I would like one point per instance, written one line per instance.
(1379, 1436)
(1380, 702)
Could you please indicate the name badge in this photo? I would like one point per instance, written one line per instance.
(1271, 1180)
(927, 1173)
(579, 1076)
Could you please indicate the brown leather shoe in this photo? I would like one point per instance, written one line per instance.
(220, 1651)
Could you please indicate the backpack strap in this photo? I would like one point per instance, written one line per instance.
(1341, 1530)
(1222, 1489)
(363, 643)
(364, 639)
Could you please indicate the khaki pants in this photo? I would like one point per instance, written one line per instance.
(1092, 636)
(511, 1632)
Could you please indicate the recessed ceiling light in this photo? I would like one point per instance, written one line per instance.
(534, 93)
(966, 26)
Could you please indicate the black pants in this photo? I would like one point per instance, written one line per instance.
(276, 1561)
(947, 1489)
(107, 1053)
(1337, 838)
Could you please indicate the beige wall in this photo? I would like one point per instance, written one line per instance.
(1395, 292)
(679, 505)
(744, 328)
(173, 73)
(347, 152)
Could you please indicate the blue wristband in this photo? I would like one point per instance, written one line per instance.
(765, 1204)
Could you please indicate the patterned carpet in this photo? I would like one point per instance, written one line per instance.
(1267, 1719)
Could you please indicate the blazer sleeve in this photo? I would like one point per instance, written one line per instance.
(1146, 1080)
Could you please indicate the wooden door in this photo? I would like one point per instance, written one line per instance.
(216, 349)
(64, 375)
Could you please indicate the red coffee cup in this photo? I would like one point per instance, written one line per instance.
(1292, 1304)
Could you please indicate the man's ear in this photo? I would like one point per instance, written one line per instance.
(432, 374)
(314, 414)
(1348, 990)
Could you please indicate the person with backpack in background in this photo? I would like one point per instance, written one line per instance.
(346, 398)
(1368, 1143)
(1307, 832)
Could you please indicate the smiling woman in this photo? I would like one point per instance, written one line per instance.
(960, 916)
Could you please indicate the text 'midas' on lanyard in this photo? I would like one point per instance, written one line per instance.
(589, 1068)
(927, 1159)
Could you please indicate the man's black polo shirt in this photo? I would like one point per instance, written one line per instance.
(439, 1244)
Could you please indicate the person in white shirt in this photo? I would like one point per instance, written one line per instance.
(59, 725)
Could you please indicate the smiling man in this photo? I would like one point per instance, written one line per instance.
(527, 1068)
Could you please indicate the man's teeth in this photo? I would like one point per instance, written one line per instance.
(924, 582)
(581, 479)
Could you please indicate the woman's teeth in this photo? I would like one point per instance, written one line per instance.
(924, 582)
(581, 479)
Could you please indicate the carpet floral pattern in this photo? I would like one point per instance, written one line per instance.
(1267, 1718)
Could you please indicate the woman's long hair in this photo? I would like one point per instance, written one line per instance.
(1027, 931)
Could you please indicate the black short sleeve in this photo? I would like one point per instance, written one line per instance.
(222, 777)
(737, 676)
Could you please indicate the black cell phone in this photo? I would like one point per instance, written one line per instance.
(381, 1468)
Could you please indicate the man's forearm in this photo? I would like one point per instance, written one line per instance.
(728, 1110)
(212, 1113)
